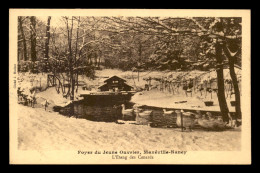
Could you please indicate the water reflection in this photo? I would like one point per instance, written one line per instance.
(111, 112)
(101, 112)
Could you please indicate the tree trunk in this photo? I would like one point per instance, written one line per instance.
(47, 41)
(24, 40)
(140, 57)
(33, 38)
(47, 38)
(71, 60)
(220, 79)
(99, 58)
(72, 83)
(231, 61)
(96, 58)
(236, 88)
(75, 57)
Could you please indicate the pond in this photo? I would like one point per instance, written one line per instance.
(110, 111)
(106, 111)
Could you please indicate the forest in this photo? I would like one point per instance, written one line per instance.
(124, 42)
(70, 46)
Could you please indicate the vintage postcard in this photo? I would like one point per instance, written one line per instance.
(129, 86)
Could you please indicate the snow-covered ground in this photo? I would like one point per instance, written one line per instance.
(43, 130)
(47, 130)
(165, 100)
(28, 80)
(132, 79)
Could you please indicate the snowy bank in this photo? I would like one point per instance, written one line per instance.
(165, 100)
(42, 130)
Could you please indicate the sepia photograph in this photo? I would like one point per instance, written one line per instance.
(124, 86)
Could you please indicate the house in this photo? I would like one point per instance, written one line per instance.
(115, 83)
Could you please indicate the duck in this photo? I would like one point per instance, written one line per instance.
(232, 122)
(143, 117)
(127, 112)
(137, 108)
(188, 120)
(208, 122)
(136, 105)
(167, 112)
(219, 119)
(205, 122)
(143, 114)
(220, 124)
(210, 116)
(147, 112)
(197, 114)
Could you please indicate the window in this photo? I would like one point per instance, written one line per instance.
(115, 81)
